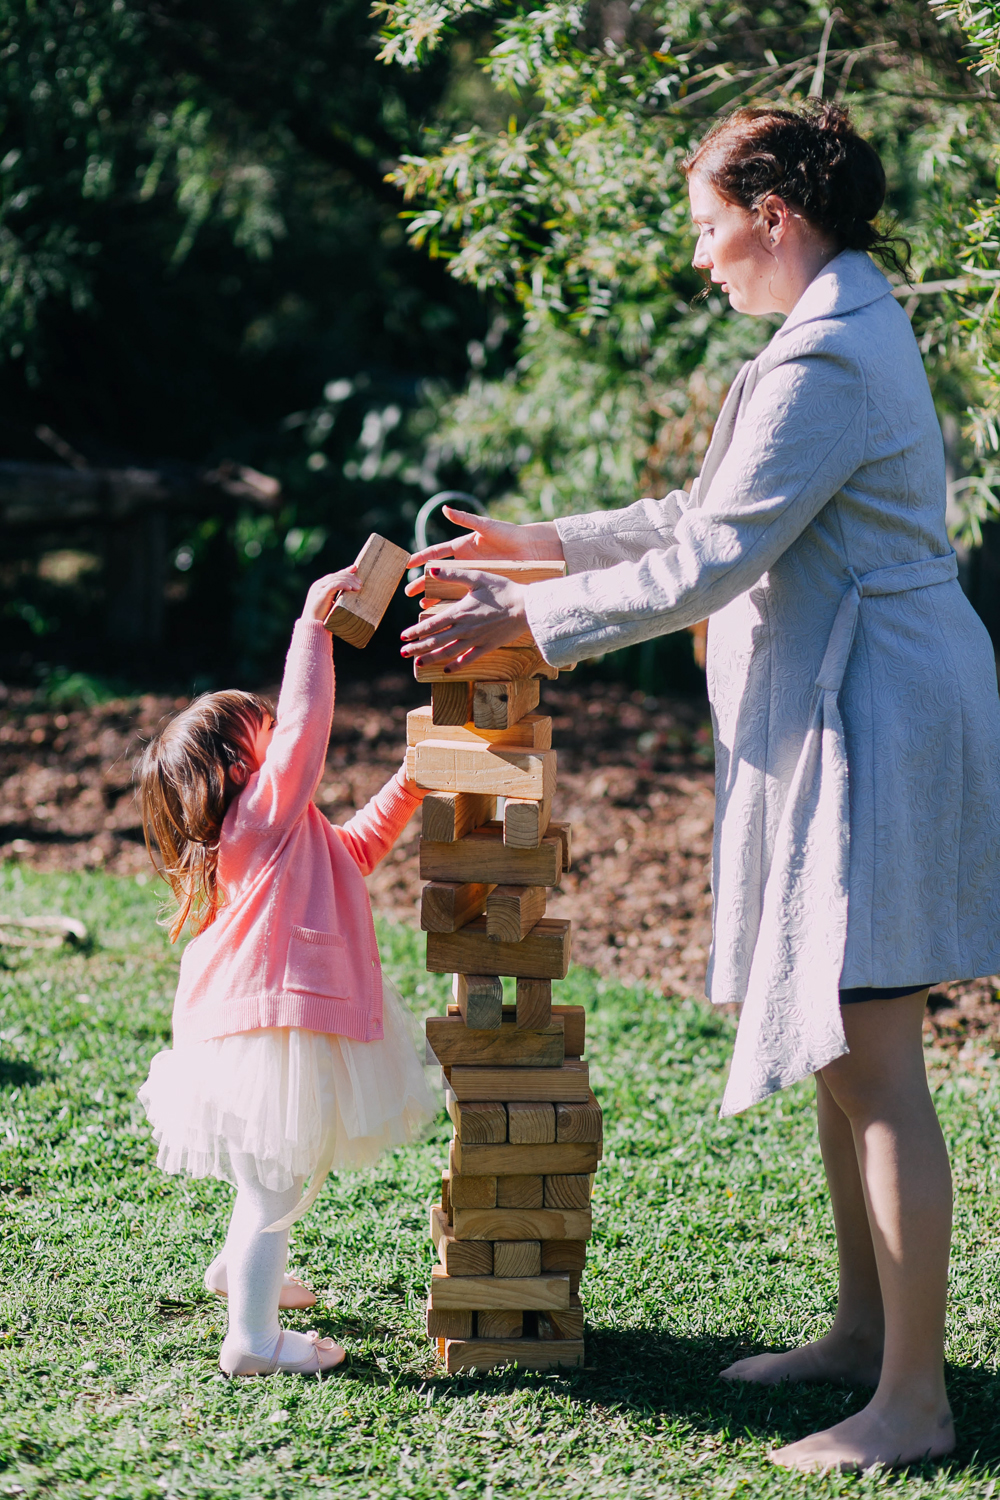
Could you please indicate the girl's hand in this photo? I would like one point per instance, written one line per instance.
(319, 600)
(492, 614)
(536, 542)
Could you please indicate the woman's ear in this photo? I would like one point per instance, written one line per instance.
(773, 218)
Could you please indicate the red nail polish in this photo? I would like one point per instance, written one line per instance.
(434, 572)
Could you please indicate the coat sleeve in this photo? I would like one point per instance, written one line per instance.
(371, 833)
(798, 441)
(286, 783)
(606, 537)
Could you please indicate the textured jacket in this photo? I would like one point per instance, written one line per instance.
(853, 688)
(294, 945)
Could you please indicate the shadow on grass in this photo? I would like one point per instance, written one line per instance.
(15, 1073)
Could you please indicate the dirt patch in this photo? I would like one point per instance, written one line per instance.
(635, 780)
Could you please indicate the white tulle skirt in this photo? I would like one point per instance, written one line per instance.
(300, 1103)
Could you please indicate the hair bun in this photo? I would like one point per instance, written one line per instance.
(834, 120)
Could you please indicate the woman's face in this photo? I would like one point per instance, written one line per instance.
(732, 246)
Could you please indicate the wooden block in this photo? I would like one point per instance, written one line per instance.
(531, 1124)
(446, 906)
(569, 1084)
(505, 664)
(520, 1192)
(565, 1191)
(534, 999)
(468, 1191)
(501, 705)
(451, 703)
(573, 1017)
(509, 1293)
(564, 831)
(448, 1323)
(543, 954)
(355, 617)
(459, 1258)
(441, 586)
(516, 1257)
(545, 1157)
(526, 823)
(453, 1042)
(500, 1324)
(533, 732)
(462, 1355)
(479, 1123)
(447, 816)
(567, 1324)
(522, 1224)
(513, 910)
(479, 998)
(564, 1255)
(483, 855)
(446, 1194)
(494, 771)
(579, 1122)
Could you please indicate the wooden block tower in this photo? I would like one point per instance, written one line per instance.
(512, 1227)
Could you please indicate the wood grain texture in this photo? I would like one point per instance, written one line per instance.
(516, 1257)
(505, 664)
(355, 617)
(564, 1255)
(452, 1041)
(525, 823)
(533, 732)
(534, 1000)
(449, 1323)
(566, 1190)
(517, 1294)
(543, 954)
(446, 906)
(482, 855)
(520, 1192)
(565, 1324)
(451, 703)
(499, 1324)
(461, 1355)
(444, 765)
(504, 1160)
(502, 705)
(564, 832)
(522, 1224)
(568, 1084)
(531, 1124)
(448, 816)
(580, 1122)
(479, 999)
(513, 910)
(446, 1194)
(574, 1021)
(459, 1257)
(478, 1122)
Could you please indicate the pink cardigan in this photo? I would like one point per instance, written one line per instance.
(294, 945)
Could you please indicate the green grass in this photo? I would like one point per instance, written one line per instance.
(712, 1239)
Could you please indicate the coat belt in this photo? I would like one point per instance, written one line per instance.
(896, 580)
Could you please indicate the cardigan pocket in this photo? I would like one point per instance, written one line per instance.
(316, 963)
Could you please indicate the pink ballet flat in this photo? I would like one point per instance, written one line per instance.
(323, 1356)
(294, 1296)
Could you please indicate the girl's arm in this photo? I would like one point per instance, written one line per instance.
(285, 783)
(371, 833)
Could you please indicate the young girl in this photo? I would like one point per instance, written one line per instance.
(291, 1050)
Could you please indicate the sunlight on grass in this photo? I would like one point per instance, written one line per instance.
(711, 1239)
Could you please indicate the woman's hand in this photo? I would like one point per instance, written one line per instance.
(319, 599)
(536, 542)
(492, 614)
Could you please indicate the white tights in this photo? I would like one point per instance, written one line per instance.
(255, 1265)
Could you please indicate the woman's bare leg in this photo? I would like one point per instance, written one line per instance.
(852, 1351)
(881, 1086)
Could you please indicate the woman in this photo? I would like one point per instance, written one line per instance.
(857, 725)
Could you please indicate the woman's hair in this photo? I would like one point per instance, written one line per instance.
(815, 161)
(188, 775)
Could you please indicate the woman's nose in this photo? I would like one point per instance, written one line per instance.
(701, 260)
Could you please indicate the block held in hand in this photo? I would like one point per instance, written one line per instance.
(356, 617)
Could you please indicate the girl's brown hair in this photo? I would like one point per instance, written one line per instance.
(816, 161)
(188, 776)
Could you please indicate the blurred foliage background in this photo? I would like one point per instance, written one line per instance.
(368, 257)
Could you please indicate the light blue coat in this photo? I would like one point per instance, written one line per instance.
(853, 688)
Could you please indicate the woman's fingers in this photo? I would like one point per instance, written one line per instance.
(459, 546)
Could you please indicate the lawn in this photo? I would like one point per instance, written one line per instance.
(712, 1239)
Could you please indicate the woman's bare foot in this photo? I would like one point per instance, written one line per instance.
(872, 1437)
(837, 1358)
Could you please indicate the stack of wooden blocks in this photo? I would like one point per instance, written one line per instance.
(514, 1218)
